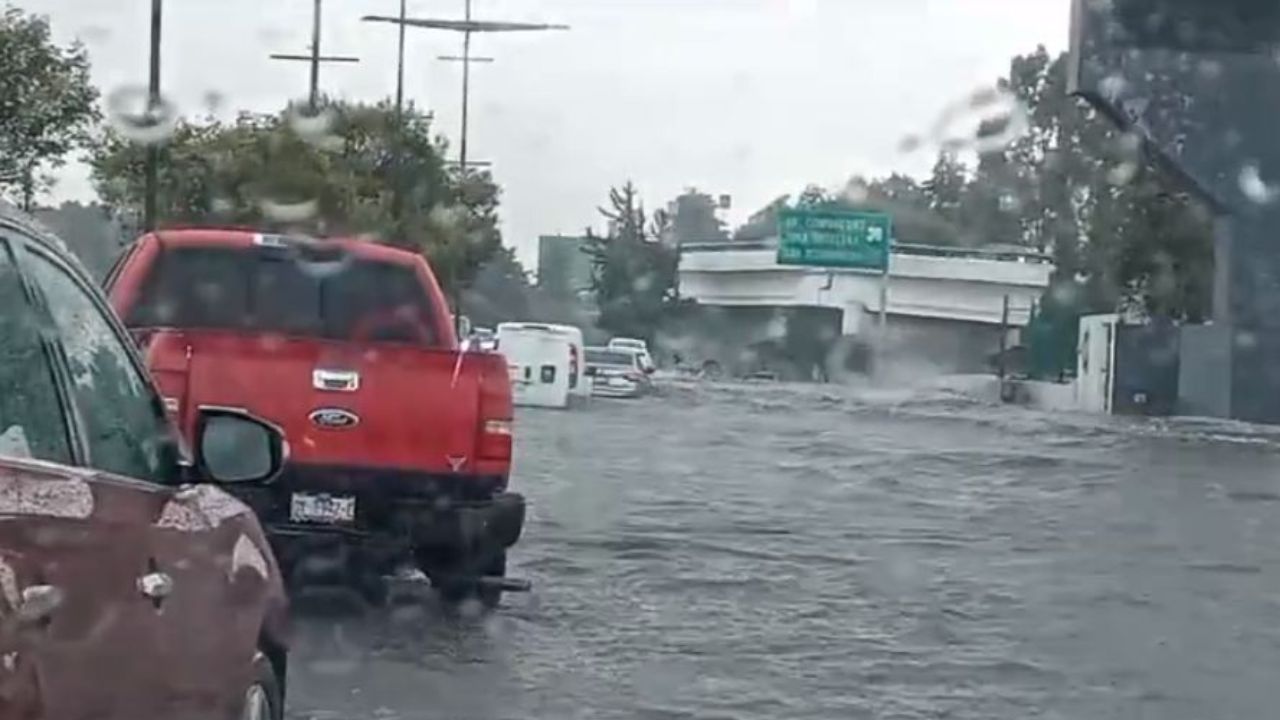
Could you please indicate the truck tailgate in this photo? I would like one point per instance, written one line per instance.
(341, 404)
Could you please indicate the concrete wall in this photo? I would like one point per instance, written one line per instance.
(962, 289)
(804, 343)
(1255, 375)
(932, 345)
(1204, 372)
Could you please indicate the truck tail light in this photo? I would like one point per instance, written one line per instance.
(495, 440)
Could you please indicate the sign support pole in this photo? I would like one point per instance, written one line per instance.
(884, 300)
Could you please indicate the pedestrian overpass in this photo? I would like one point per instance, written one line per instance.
(946, 305)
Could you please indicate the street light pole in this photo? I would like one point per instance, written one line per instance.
(152, 179)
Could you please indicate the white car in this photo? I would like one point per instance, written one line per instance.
(637, 346)
(629, 344)
(617, 373)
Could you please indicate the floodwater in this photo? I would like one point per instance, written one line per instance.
(818, 552)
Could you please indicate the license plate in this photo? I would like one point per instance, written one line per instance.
(305, 507)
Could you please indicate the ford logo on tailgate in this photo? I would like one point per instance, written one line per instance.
(334, 418)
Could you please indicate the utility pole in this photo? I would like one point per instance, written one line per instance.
(397, 183)
(315, 58)
(466, 59)
(467, 26)
(152, 179)
(313, 96)
(400, 66)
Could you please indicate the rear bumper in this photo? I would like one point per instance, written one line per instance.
(398, 516)
(313, 552)
(498, 522)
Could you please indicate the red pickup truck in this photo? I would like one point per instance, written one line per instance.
(401, 442)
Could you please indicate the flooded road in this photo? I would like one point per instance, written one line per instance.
(819, 552)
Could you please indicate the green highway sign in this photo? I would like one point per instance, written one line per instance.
(834, 238)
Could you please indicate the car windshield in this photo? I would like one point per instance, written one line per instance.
(659, 359)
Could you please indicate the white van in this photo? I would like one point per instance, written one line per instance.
(579, 383)
(540, 362)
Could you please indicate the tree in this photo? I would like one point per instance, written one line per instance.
(331, 174)
(946, 188)
(633, 272)
(500, 291)
(1085, 192)
(47, 104)
(693, 219)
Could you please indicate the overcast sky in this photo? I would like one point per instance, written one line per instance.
(751, 98)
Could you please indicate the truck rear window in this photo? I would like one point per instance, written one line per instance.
(270, 290)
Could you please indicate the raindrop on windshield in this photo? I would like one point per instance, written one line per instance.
(210, 293)
(1113, 86)
(1123, 173)
(213, 101)
(1209, 69)
(271, 342)
(94, 34)
(1254, 187)
(470, 609)
(1065, 294)
(643, 284)
(987, 120)
(323, 268)
(289, 212)
(777, 327)
(133, 115)
(311, 124)
(856, 191)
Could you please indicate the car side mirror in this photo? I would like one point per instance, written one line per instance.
(650, 370)
(232, 446)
